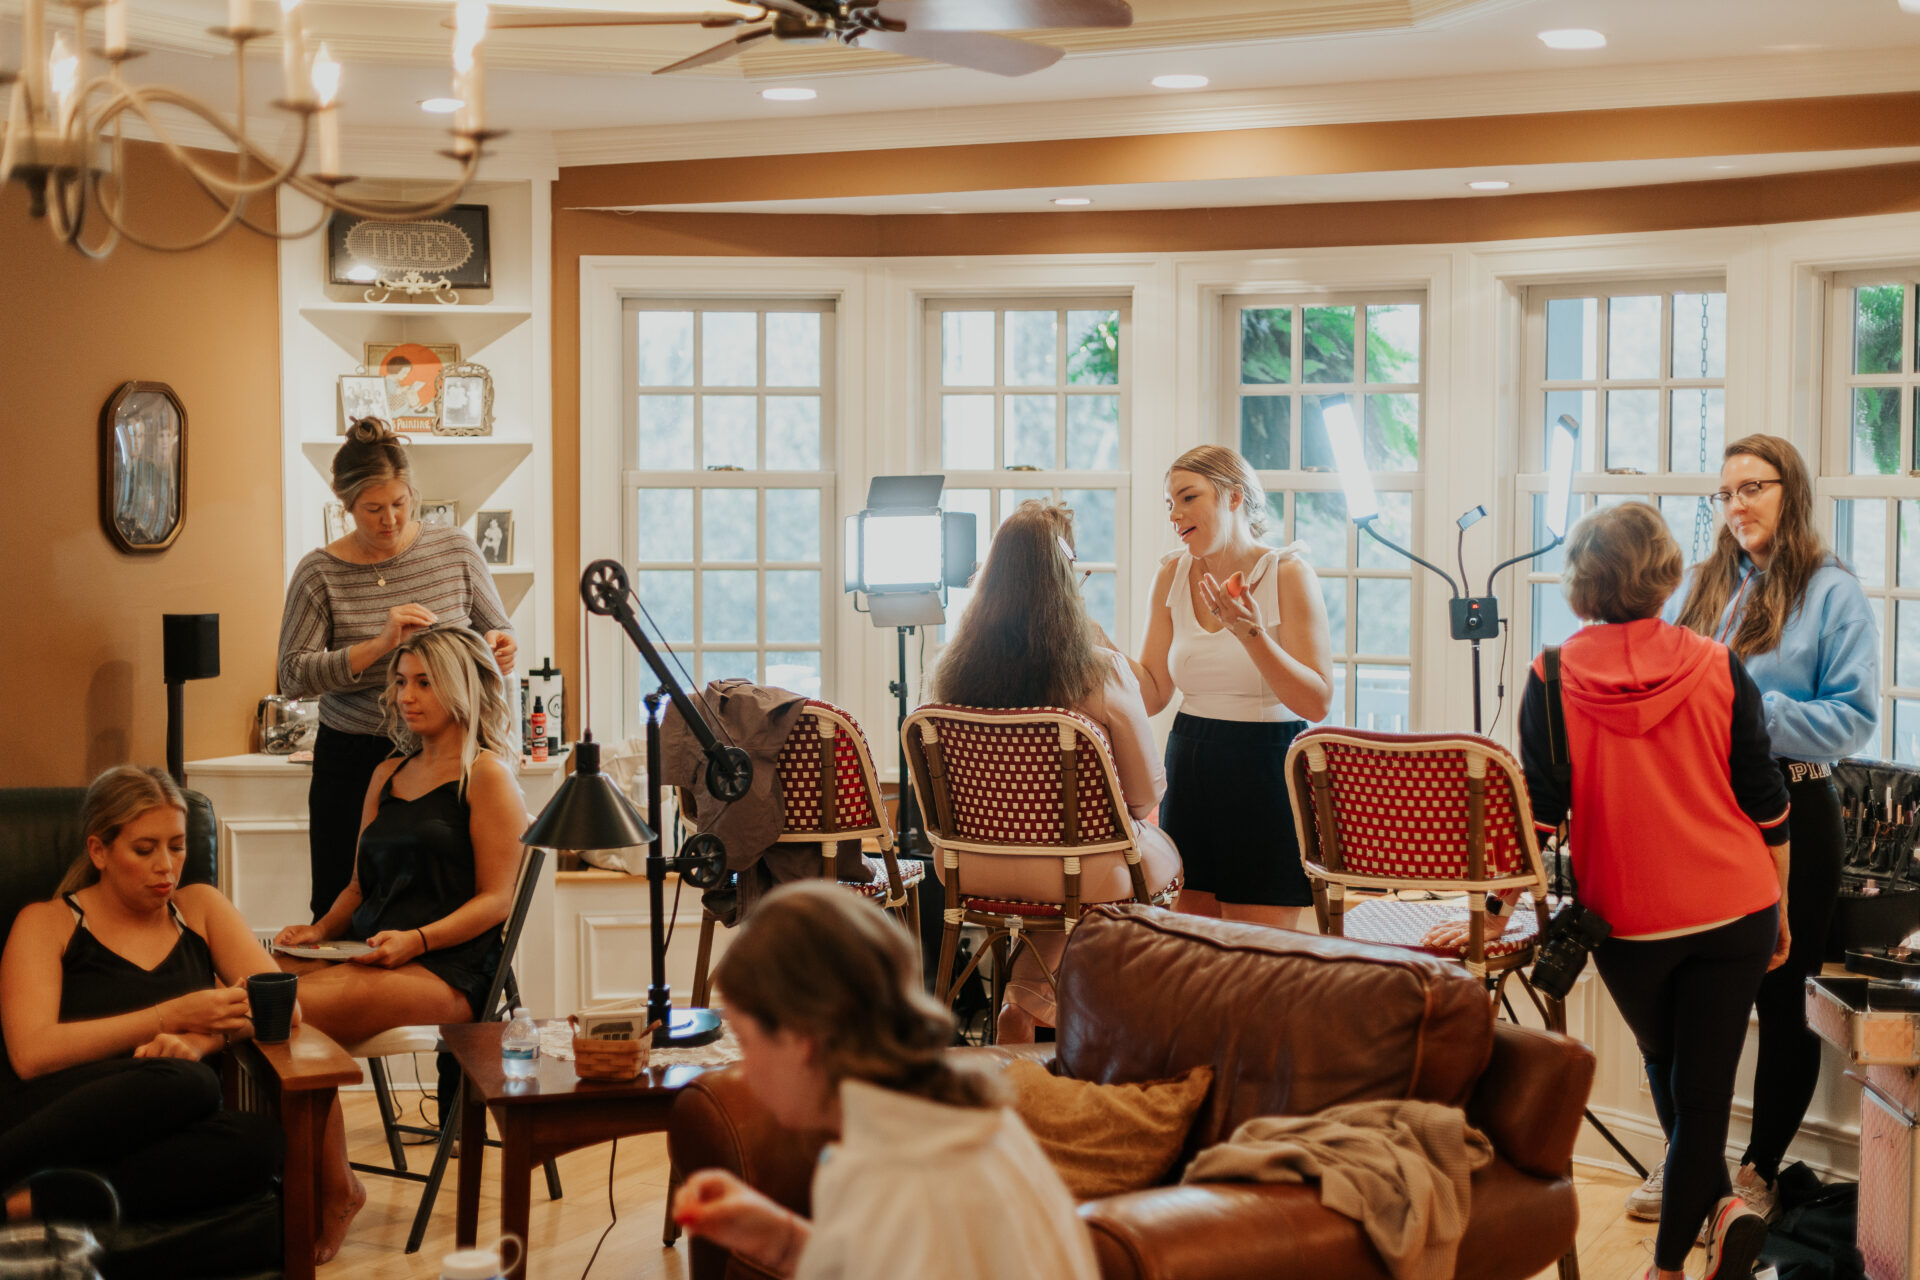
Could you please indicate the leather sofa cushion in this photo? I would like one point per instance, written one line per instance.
(1107, 1138)
(1288, 1022)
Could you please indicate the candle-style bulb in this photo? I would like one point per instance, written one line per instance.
(288, 6)
(326, 77)
(469, 25)
(63, 67)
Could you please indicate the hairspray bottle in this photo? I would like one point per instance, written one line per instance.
(539, 738)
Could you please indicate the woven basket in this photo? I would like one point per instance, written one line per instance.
(610, 1059)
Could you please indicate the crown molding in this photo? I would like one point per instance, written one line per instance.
(1583, 89)
(390, 153)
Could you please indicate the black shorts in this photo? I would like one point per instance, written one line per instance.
(1226, 809)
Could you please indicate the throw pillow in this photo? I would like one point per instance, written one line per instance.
(1108, 1138)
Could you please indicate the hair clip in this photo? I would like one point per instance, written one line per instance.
(1066, 548)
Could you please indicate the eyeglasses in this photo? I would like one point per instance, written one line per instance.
(1747, 493)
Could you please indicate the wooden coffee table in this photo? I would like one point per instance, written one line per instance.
(541, 1117)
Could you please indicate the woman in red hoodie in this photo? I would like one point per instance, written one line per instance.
(1676, 805)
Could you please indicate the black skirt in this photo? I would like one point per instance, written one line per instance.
(1226, 809)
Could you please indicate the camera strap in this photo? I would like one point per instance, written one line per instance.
(1556, 715)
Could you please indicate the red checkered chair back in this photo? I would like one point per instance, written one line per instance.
(827, 779)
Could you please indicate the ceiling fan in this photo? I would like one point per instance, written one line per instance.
(955, 32)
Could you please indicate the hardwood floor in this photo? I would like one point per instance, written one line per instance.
(1612, 1246)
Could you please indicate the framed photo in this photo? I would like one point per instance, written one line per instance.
(333, 523)
(493, 530)
(411, 371)
(143, 466)
(466, 401)
(454, 247)
(361, 396)
(440, 511)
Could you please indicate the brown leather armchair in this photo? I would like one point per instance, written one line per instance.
(1291, 1023)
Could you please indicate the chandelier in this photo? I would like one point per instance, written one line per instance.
(65, 137)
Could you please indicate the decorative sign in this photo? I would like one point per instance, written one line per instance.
(453, 248)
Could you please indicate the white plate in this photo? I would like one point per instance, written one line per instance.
(341, 950)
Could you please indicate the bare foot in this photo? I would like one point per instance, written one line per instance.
(335, 1218)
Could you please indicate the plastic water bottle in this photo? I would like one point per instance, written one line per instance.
(520, 1047)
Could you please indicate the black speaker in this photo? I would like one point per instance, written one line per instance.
(190, 646)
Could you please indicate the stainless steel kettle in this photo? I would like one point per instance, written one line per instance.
(287, 724)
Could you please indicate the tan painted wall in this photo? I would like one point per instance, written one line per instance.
(80, 643)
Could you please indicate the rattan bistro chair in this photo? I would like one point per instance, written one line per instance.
(1029, 783)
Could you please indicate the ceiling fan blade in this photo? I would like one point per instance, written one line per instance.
(725, 49)
(1005, 15)
(997, 54)
(593, 18)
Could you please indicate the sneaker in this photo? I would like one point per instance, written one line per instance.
(1643, 1202)
(1757, 1192)
(1735, 1235)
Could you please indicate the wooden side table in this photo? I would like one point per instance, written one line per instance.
(546, 1115)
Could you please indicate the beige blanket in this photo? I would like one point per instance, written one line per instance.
(1402, 1169)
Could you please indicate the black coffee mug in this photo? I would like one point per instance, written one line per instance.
(272, 995)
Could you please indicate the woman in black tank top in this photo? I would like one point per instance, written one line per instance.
(433, 875)
(112, 995)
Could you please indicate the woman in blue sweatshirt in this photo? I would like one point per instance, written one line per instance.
(1774, 594)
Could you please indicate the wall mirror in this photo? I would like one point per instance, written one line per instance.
(143, 466)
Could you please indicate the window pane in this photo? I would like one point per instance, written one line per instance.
(1573, 339)
(793, 524)
(966, 348)
(1099, 595)
(1578, 405)
(1381, 699)
(1326, 352)
(1266, 345)
(793, 606)
(1333, 592)
(729, 613)
(664, 519)
(1266, 426)
(1396, 522)
(1690, 520)
(793, 348)
(1092, 524)
(666, 600)
(1909, 543)
(966, 432)
(1320, 521)
(1316, 451)
(1876, 328)
(798, 671)
(1031, 431)
(1633, 431)
(1860, 538)
(1699, 425)
(728, 431)
(1553, 622)
(1393, 343)
(1699, 335)
(1556, 559)
(1876, 431)
(729, 524)
(1384, 612)
(1032, 337)
(1392, 436)
(1633, 337)
(1093, 433)
(1906, 645)
(1275, 534)
(729, 348)
(793, 433)
(1337, 708)
(729, 665)
(666, 433)
(1093, 348)
(1906, 731)
(666, 348)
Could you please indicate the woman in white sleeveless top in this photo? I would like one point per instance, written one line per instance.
(1240, 630)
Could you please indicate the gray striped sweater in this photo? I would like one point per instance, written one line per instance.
(333, 604)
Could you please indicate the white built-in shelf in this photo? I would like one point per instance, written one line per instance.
(464, 470)
(352, 325)
(512, 583)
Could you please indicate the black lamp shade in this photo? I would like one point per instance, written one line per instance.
(588, 811)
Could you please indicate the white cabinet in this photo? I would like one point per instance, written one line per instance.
(602, 944)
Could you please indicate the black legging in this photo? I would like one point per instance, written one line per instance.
(1788, 1066)
(1686, 1000)
(153, 1127)
(343, 765)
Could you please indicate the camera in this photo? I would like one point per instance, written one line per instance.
(1573, 932)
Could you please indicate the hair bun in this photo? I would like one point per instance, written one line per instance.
(373, 431)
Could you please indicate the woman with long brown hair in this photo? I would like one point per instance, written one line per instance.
(1773, 593)
(1025, 640)
(931, 1176)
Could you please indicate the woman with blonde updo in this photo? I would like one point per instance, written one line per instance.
(349, 606)
(1239, 630)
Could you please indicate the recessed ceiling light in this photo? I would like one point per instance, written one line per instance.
(1071, 201)
(1573, 38)
(1490, 184)
(441, 106)
(1180, 82)
(788, 95)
